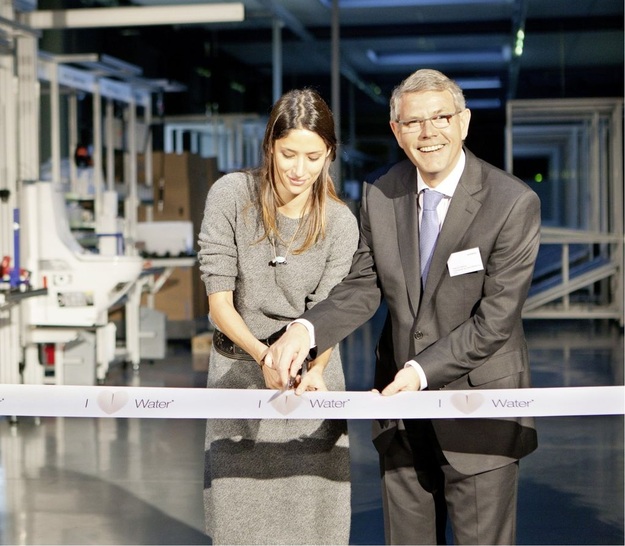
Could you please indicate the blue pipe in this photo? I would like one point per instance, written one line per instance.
(15, 270)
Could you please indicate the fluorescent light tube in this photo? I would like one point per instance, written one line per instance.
(440, 57)
(479, 83)
(134, 16)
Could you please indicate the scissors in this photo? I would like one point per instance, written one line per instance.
(291, 382)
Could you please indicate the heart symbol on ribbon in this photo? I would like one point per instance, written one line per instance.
(467, 403)
(111, 402)
(286, 402)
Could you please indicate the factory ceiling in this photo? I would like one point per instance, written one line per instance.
(497, 49)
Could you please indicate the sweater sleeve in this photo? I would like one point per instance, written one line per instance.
(217, 243)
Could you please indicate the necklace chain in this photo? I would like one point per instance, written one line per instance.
(281, 260)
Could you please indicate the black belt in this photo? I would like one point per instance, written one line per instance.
(226, 347)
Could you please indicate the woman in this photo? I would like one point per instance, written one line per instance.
(274, 242)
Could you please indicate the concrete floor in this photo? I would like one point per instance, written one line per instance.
(130, 481)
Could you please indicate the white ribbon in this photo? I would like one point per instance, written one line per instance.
(197, 403)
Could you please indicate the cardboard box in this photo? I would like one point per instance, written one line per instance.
(201, 343)
(176, 297)
(200, 350)
(180, 185)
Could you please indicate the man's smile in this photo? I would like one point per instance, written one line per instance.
(434, 148)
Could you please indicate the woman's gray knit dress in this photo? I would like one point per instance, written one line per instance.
(272, 481)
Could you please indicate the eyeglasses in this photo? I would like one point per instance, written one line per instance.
(440, 121)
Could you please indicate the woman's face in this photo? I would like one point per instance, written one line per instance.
(298, 159)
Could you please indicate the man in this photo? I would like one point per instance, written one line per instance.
(460, 328)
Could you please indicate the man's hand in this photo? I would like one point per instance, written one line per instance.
(287, 355)
(406, 379)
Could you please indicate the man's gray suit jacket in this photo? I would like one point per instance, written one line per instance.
(465, 330)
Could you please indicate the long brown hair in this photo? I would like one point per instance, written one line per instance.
(298, 109)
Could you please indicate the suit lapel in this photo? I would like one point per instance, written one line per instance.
(407, 225)
(462, 210)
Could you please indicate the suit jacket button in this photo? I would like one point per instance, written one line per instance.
(418, 334)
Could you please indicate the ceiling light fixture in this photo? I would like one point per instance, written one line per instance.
(440, 57)
(478, 83)
(134, 16)
(483, 104)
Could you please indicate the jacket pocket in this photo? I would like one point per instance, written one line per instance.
(498, 367)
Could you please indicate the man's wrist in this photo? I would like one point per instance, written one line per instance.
(423, 380)
(309, 327)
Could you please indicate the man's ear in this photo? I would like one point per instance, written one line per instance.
(395, 127)
(465, 120)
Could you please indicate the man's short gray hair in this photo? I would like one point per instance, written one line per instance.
(426, 79)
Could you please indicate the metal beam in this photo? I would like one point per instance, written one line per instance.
(514, 67)
(276, 49)
(295, 26)
(17, 28)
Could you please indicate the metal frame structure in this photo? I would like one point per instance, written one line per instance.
(105, 79)
(234, 139)
(110, 81)
(580, 268)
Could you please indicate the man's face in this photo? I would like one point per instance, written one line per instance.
(434, 151)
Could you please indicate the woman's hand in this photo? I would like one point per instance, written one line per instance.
(226, 318)
(312, 381)
(272, 378)
(313, 378)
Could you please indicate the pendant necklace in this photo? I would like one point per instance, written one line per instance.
(281, 260)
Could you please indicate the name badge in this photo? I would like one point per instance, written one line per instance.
(465, 261)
